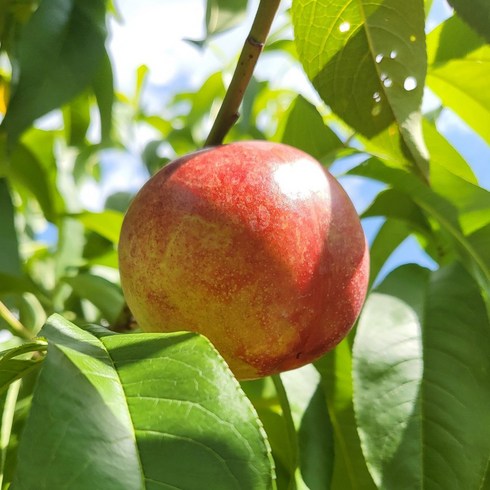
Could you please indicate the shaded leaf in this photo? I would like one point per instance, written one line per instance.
(20, 350)
(14, 364)
(476, 13)
(295, 417)
(392, 203)
(9, 243)
(13, 369)
(15, 284)
(76, 117)
(421, 370)
(368, 62)
(306, 130)
(105, 295)
(438, 207)
(117, 403)
(60, 50)
(27, 171)
(311, 421)
(391, 234)
(103, 87)
(350, 471)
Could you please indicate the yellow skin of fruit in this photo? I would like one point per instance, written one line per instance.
(252, 244)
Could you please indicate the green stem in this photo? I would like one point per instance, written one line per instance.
(15, 326)
(228, 113)
(7, 423)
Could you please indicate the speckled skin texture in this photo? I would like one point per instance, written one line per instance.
(252, 244)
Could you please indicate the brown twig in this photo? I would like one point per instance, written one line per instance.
(228, 113)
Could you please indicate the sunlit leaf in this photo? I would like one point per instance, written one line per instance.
(106, 223)
(421, 369)
(459, 67)
(443, 154)
(69, 252)
(118, 402)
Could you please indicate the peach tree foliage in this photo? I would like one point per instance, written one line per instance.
(402, 403)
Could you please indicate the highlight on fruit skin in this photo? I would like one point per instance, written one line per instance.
(252, 244)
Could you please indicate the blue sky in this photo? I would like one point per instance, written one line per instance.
(152, 32)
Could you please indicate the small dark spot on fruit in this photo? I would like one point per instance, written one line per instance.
(298, 355)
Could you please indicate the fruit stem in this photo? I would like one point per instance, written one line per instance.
(228, 113)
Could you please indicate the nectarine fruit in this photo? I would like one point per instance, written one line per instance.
(252, 244)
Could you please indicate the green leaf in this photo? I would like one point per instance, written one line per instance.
(350, 471)
(20, 350)
(392, 203)
(105, 295)
(212, 89)
(76, 117)
(440, 208)
(391, 234)
(421, 370)
(69, 253)
(103, 87)
(60, 51)
(9, 243)
(222, 15)
(27, 171)
(476, 13)
(314, 431)
(138, 411)
(293, 410)
(368, 62)
(442, 154)
(471, 201)
(305, 129)
(12, 368)
(107, 223)
(459, 67)
(15, 284)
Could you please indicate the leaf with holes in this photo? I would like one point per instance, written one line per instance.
(138, 411)
(367, 61)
